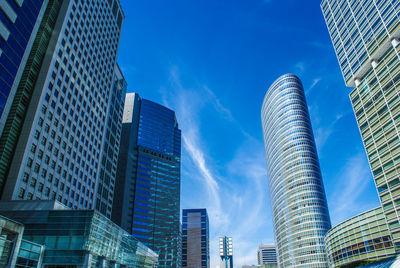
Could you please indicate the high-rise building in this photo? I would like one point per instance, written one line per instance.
(266, 254)
(63, 119)
(299, 206)
(365, 35)
(226, 252)
(147, 197)
(19, 24)
(195, 238)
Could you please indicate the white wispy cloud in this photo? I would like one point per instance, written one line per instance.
(233, 191)
(300, 67)
(313, 85)
(350, 186)
(218, 105)
(323, 133)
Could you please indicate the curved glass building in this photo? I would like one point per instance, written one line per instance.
(299, 207)
(360, 239)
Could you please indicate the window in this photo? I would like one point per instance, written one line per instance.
(21, 193)
(25, 177)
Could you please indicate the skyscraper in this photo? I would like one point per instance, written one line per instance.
(147, 198)
(58, 129)
(195, 238)
(226, 252)
(266, 254)
(299, 207)
(365, 35)
(19, 22)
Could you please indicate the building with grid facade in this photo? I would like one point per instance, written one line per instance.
(360, 238)
(299, 206)
(59, 138)
(19, 23)
(266, 254)
(365, 35)
(226, 252)
(147, 193)
(195, 238)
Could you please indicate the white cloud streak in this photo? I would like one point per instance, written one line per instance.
(234, 191)
(349, 188)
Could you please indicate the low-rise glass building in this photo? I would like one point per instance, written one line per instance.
(81, 238)
(360, 239)
(15, 251)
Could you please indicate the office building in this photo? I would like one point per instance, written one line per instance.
(365, 36)
(57, 134)
(299, 207)
(226, 252)
(63, 237)
(195, 238)
(266, 254)
(360, 239)
(147, 193)
(19, 22)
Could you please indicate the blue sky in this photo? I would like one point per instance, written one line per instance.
(212, 62)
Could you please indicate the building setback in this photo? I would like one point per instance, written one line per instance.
(226, 252)
(64, 117)
(147, 197)
(195, 238)
(365, 35)
(299, 207)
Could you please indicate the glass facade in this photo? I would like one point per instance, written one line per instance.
(226, 252)
(80, 238)
(29, 255)
(17, 22)
(195, 238)
(359, 31)
(299, 207)
(375, 98)
(10, 241)
(360, 238)
(147, 200)
(61, 147)
(15, 117)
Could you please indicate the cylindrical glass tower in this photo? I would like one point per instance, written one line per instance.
(299, 207)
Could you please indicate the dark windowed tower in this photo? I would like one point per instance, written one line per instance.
(19, 23)
(195, 238)
(147, 199)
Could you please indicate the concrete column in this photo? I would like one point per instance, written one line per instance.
(88, 260)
